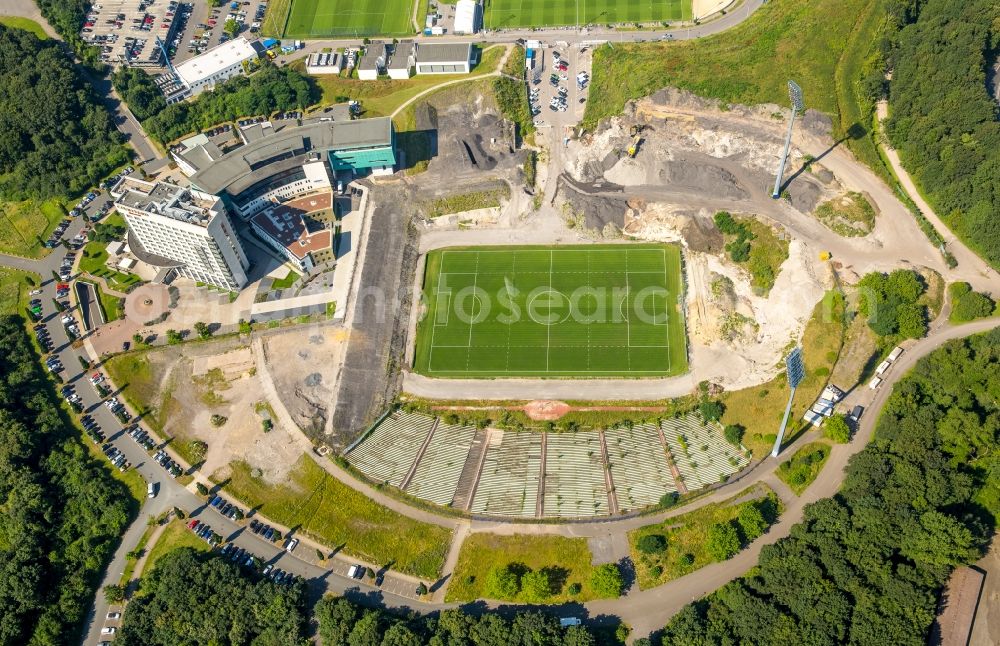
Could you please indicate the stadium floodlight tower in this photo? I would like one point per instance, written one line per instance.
(795, 372)
(795, 95)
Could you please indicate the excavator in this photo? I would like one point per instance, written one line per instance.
(636, 140)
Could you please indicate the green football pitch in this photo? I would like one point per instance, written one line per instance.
(321, 18)
(499, 14)
(567, 311)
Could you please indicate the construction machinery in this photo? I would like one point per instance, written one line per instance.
(633, 147)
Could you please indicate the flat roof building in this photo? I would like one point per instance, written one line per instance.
(401, 64)
(444, 58)
(215, 66)
(373, 61)
(183, 229)
(252, 172)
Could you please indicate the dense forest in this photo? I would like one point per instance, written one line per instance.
(62, 512)
(201, 598)
(866, 566)
(342, 623)
(267, 91)
(67, 17)
(943, 120)
(56, 138)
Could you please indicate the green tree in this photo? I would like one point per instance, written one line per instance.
(939, 540)
(231, 27)
(606, 580)
(711, 411)
(751, 521)
(967, 305)
(837, 429)
(722, 542)
(503, 583)
(366, 631)
(400, 635)
(535, 586)
(202, 489)
(734, 434)
(335, 616)
(114, 594)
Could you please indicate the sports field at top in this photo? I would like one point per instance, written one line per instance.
(322, 18)
(566, 311)
(507, 14)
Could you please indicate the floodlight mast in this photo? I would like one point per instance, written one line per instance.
(795, 96)
(795, 372)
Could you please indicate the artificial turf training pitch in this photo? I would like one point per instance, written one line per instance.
(500, 14)
(318, 18)
(567, 311)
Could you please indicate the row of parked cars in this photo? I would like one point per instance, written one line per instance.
(204, 531)
(57, 234)
(162, 458)
(247, 559)
(141, 437)
(115, 456)
(42, 335)
(92, 428)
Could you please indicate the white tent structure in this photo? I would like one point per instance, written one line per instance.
(468, 17)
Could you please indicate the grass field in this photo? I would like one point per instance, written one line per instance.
(14, 290)
(686, 537)
(571, 311)
(320, 506)
(506, 14)
(321, 18)
(800, 471)
(24, 226)
(175, 536)
(566, 560)
(802, 40)
(26, 24)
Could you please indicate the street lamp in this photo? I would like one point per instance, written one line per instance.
(795, 96)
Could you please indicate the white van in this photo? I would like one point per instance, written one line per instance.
(875, 383)
(151, 490)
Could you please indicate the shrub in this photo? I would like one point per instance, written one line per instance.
(574, 589)
(652, 544)
(669, 499)
(685, 560)
(723, 541)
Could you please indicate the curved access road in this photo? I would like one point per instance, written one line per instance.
(649, 610)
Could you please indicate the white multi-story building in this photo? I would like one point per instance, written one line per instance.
(215, 66)
(183, 229)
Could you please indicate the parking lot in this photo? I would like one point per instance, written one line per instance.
(556, 93)
(126, 30)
